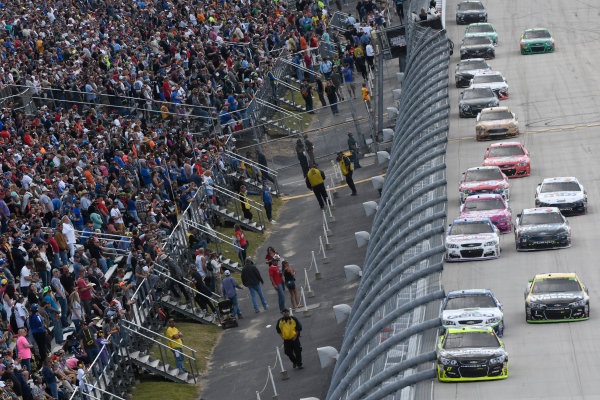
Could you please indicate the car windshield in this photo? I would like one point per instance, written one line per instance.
(504, 151)
(470, 6)
(487, 79)
(495, 115)
(471, 65)
(480, 29)
(471, 41)
(470, 301)
(542, 218)
(471, 339)
(555, 285)
(538, 34)
(478, 93)
(560, 187)
(483, 205)
(471, 228)
(476, 175)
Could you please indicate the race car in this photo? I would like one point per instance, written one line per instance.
(567, 194)
(472, 239)
(471, 354)
(556, 298)
(482, 29)
(494, 122)
(493, 80)
(479, 307)
(466, 69)
(480, 180)
(542, 228)
(491, 206)
(472, 101)
(511, 157)
(470, 11)
(477, 47)
(537, 40)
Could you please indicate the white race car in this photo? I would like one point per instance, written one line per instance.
(472, 239)
(567, 194)
(472, 307)
(493, 80)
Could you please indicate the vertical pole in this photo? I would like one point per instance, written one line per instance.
(380, 85)
(325, 259)
(327, 244)
(314, 261)
(275, 395)
(257, 395)
(331, 217)
(306, 310)
(283, 373)
(326, 225)
(361, 139)
(310, 292)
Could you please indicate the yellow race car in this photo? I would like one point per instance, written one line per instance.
(496, 122)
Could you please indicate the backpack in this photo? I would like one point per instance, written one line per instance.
(88, 337)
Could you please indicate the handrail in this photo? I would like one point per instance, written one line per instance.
(93, 233)
(303, 69)
(156, 341)
(285, 112)
(287, 85)
(251, 162)
(236, 196)
(213, 233)
(189, 287)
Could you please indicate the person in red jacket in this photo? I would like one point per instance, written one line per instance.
(277, 280)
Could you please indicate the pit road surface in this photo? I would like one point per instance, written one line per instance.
(555, 97)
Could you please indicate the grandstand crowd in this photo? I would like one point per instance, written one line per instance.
(97, 159)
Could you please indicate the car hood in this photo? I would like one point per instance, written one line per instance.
(480, 237)
(528, 41)
(498, 122)
(471, 313)
(504, 160)
(471, 72)
(552, 298)
(480, 34)
(491, 214)
(491, 85)
(469, 12)
(473, 352)
(560, 197)
(479, 100)
(476, 46)
(480, 185)
(549, 229)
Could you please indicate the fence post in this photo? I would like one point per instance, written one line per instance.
(275, 395)
(331, 217)
(306, 310)
(283, 373)
(326, 225)
(327, 244)
(314, 261)
(325, 259)
(309, 290)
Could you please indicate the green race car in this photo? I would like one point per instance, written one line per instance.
(537, 40)
(471, 354)
(482, 29)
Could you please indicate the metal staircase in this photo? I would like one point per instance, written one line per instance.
(231, 210)
(251, 181)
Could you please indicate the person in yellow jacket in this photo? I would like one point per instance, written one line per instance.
(244, 203)
(347, 168)
(315, 180)
(289, 329)
(176, 344)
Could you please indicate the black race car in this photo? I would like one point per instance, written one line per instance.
(466, 69)
(542, 228)
(472, 101)
(470, 11)
(477, 47)
(556, 297)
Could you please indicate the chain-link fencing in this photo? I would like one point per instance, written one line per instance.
(388, 351)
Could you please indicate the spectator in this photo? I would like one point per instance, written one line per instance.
(24, 349)
(252, 279)
(289, 278)
(240, 242)
(277, 281)
(229, 292)
(289, 328)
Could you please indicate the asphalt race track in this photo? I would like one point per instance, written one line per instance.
(555, 97)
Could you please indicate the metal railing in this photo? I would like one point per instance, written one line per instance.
(233, 197)
(266, 172)
(389, 344)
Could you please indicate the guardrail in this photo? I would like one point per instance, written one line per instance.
(397, 305)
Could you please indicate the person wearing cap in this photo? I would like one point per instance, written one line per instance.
(267, 201)
(347, 168)
(289, 328)
(38, 330)
(315, 180)
(277, 279)
(176, 344)
(245, 205)
(353, 147)
(229, 292)
(54, 313)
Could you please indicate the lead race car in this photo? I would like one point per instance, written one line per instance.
(556, 297)
(566, 193)
(472, 239)
(471, 354)
(542, 228)
(464, 308)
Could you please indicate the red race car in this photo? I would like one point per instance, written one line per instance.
(511, 157)
(482, 180)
